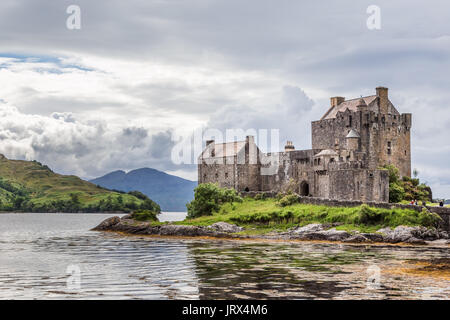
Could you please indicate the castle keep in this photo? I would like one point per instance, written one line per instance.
(350, 143)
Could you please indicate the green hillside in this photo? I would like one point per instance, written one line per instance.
(33, 187)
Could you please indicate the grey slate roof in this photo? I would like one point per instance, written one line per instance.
(352, 105)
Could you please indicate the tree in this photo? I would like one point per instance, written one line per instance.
(406, 188)
(208, 197)
(75, 198)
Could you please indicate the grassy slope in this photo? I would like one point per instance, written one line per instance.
(44, 186)
(261, 216)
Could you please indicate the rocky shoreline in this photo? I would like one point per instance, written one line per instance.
(401, 234)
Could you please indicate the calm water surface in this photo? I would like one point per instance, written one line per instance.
(55, 256)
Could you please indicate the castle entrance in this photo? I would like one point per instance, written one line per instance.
(304, 189)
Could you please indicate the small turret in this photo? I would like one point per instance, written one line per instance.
(352, 139)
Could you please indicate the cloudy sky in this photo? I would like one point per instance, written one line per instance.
(114, 94)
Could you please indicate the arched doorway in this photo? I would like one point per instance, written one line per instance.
(304, 189)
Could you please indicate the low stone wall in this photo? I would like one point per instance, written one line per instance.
(443, 212)
(254, 194)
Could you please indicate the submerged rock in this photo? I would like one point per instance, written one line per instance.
(315, 231)
(335, 235)
(357, 238)
(416, 241)
(313, 227)
(180, 230)
(225, 227)
(411, 234)
(439, 242)
(375, 237)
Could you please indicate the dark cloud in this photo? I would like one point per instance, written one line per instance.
(227, 63)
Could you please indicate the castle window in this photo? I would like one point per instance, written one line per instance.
(349, 121)
(204, 176)
(226, 175)
(213, 153)
(389, 148)
(217, 176)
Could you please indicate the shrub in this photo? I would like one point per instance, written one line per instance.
(208, 197)
(145, 215)
(368, 215)
(260, 196)
(396, 217)
(288, 200)
(396, 192)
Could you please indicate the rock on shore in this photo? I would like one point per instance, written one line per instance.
(128, 225)
(316, 231)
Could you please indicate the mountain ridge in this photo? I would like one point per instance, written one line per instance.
(169, 191)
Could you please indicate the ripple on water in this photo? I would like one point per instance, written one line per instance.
(35, 251)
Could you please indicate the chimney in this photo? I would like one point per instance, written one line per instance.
(250, 139)
(382, 94)
(213, 147)
(289, 146)
(335, 101)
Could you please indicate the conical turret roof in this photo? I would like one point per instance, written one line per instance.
(353, 134)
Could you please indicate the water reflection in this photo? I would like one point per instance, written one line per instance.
(36, 249)
(306, 271)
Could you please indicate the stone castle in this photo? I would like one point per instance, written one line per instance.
(350, 143)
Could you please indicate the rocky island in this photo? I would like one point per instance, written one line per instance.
(222, 213)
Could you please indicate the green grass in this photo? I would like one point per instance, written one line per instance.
(262, 216)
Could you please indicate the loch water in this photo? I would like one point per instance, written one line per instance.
(56, 256)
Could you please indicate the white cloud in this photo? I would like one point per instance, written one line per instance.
(87, 149)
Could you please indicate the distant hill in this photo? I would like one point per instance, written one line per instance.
(34, 187)
(169, 191)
